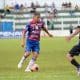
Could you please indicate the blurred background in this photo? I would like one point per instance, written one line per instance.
(60, 16)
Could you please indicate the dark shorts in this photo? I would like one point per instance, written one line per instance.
(75, 51)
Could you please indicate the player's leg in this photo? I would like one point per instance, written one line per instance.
(23, 59)
(35, 50)
(27, 53)
(75, 51)
(32, 61)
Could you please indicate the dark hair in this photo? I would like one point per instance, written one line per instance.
(78, 26)
(36, 14)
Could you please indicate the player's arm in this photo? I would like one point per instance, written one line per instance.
(46, 30)
(73, 34)
(23, 38)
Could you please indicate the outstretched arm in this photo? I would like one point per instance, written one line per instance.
(73, 34)
(45, 29)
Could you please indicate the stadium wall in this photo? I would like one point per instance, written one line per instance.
(17, 34)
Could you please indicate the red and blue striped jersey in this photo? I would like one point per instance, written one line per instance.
(34, 30)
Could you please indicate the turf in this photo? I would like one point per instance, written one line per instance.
(52, 60)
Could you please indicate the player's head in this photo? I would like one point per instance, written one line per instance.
(36, 16)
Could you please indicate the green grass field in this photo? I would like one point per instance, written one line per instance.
(52, 61)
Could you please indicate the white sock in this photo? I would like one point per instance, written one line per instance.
(22, 60)
(32, 61)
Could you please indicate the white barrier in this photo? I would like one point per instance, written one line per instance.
(10, 34)
(57, 33)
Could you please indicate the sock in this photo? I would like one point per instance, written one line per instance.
(75, 63)
(22, 59)
(32, 61)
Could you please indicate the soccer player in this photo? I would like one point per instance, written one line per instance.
(75, 51)
(33, 29)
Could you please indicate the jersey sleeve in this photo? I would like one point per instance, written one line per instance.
(26, 27)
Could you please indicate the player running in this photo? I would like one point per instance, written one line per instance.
(75, 51)
(32, 42)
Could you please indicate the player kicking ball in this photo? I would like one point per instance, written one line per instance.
(75, 51)
(32, 44)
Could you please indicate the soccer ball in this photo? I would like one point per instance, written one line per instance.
(35, 68)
